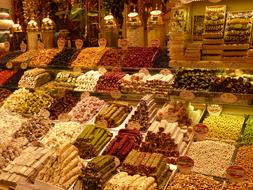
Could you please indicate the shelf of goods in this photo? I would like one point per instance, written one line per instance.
(104, 128)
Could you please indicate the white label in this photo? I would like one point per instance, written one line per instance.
(79, 43)
(61, 43)
(40, 45)
(102, 42)
(23, 46)
(7, 46)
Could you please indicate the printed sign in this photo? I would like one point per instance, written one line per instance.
(185, 164)
(187, 95)
(102, 42)
(228, 98)
(236, 173)
(61, 43)
(200, 131)
(79, 43)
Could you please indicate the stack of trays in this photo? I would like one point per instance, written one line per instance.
(212, 49)
(235, 52)
(193, 51)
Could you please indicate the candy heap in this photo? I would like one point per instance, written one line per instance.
(88, 81)
(63, 132)
(24, 57)
(26, 166)
(174, 112)
(140, 57)
(62, 105)
(66, 167)
(247, 137)
(224, 127)
(98, 171)
(193, 181)
(66, 79)
(64, 58)
(89, 57)
(145, 83)
(166, 138)
(145, 113)
(92, 140)
(43, 58)
(34, 128)
(109, 81)
(123, 180)
(113, 58)
(4, 93)
(211, 157)
(113, 114)
(123, 143)
(147, 164)
(6, 75)
(34, 78)
(86, 109)
(9, 56)
(25, 102)
(195, 79)
(11, 149)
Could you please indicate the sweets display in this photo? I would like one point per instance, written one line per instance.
(25, 102)
(92, 140)
(147, 164)
(193, 79)
(98, 171)
(224, 127)
(193, 181)
(10, 150)
(167, 139)
(86, 109)
(244, 158)
(123, 180)
(211, 157)
(247, 137)
(113, 114)
(34, 78)
(9, 56)
(61, 133)
(123, 143)
(112, 57)
(109, 81)
(6, 75)
(232, 85)
(24, 57)
(43, 58)
(145, 112)
(9, 122)
(140, 57)
(61, 105)
(238, 27)
(214, 21)
(238, 186)
(88, 81)
(145, 83)
(66, 79)
(62, 168)
(34, 128)
(4, 93)
(89, 57)
(174, 112)
(25, 167)
(64, 58)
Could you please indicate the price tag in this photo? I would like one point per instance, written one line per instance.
(64, 117)
(185, 164)
(102, 123)
(200, 131)
(79, 43)
(165, 72)
(24, 65)
(187, 95)
(23, 46)
(228, 98)
(61, 43)
(102, 70)
(124, 44)
(235, 173)
(116, 94)
(9, 65)
(45, 113)
(7, 46)
(155, 43)
(144, 71)
(102, 42)
(40, 45)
